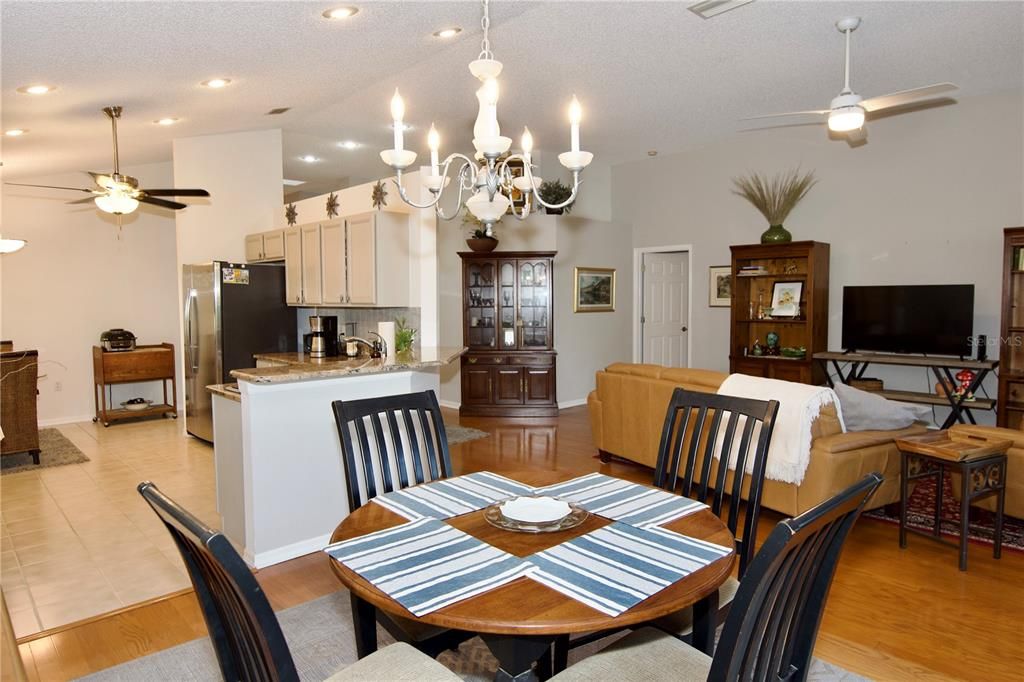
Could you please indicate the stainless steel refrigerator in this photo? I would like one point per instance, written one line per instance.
(231, 312)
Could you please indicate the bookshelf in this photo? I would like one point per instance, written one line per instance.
(1010, 398)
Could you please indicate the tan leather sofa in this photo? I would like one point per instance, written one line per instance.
(627, 411)
(1014, 467)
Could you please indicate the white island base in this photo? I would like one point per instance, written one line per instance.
(281, 485)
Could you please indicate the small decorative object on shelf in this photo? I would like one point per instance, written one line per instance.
(379, 197)
(775, 199)
(332, 205)
(555, 192)
(757, 350)
(786, 299)
(481, 242)
(291, 214)
(966, 378)
(772, 339)
(404, 336)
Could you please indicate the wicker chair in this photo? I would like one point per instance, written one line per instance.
(18, 374)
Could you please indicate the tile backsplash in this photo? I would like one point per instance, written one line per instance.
(359, 321)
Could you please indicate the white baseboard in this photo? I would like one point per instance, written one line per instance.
(572, 403)
(60, 421)
(292, 551)
(451, 404)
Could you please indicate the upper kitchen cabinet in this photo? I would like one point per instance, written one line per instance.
(264, 247)
(293, 265)
(362, 260)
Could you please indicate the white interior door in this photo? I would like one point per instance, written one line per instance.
(666, 300)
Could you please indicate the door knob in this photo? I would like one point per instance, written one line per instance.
(683, 329)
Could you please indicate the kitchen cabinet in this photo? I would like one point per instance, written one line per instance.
(265, 247)
(508, 328)
(293, 266)
(312, 265)
(356, 261)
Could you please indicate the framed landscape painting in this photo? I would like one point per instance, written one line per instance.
(720, 286)
(594, 290)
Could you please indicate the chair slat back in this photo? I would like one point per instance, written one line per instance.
(245, 632)
(770, 631)
(697, 427)
(390, 443)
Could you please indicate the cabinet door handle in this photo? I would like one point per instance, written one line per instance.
(471, 361)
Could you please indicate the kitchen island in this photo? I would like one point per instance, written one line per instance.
(280, 480)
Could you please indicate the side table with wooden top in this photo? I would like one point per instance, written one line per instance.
(145, 363)
(981, 464)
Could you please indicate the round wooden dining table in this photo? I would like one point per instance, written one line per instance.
(520, 620)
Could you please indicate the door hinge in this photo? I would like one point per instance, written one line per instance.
(643, 319)
(643, 268)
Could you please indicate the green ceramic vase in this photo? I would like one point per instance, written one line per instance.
(776, 234)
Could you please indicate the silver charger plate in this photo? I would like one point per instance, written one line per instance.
(575, 517)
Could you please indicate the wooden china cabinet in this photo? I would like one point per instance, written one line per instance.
(508, 326)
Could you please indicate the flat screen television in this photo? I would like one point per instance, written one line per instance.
(934, 319)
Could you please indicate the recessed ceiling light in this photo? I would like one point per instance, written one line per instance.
(15, 132)
(448, 32)
(216, 83)
(340, 13)
(349, 144)
(165, 121)
(653, 152)
(712, 8)
(308, 158)
(38, 89)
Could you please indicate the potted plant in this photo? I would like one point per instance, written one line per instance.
(555, 192)
(480, 241)
(404, 338)
(775, 198)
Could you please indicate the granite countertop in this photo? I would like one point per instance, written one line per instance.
(229, 391)
(301, 367)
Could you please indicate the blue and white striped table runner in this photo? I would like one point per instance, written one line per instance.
(445, 498)
(613, 498)
(616, 567)
(426, 564)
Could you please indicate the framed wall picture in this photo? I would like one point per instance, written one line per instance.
(518, 199)
(594, 290)
(720, 286)
(786, 299)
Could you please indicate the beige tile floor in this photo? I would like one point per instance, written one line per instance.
(78, 540)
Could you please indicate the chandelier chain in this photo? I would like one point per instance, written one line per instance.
(485, 24)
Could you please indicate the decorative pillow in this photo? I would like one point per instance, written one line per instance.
(865, 411)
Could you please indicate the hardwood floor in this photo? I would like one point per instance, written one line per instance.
(892, 614)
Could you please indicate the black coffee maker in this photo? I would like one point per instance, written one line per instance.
(322, 339)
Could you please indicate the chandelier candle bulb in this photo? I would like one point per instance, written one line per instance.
(575, 114)
(397, 114)
(527, 144)
(433, 141)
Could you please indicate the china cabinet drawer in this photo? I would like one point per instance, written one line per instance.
(484, 359)
(532, 360)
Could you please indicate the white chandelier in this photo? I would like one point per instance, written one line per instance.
(491, 182)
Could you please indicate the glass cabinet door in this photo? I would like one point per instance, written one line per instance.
(480, 299)
(507, 304)
(535, 304)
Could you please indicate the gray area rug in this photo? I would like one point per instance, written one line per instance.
(56, 450)
(321, 640)
(462, 434)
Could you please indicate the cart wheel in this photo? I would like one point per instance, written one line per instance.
(106, 423)
(95, 419)
(174, 416)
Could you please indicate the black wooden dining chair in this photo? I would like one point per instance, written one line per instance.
(246, 635)
(387, 444)
(770, 632)
(697, 427)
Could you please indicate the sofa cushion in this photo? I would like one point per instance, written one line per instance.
(708, 379)
(863, 411)
(637, 370)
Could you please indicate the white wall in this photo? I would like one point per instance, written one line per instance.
(79, 276)
(243, 173)
(923, 202)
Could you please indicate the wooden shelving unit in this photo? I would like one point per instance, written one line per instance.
(1010, 406)
(805, 262)
(145, 363)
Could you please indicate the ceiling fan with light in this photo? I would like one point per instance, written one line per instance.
(847, 111)
(120, 194)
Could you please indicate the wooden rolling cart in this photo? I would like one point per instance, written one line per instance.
(145, 363)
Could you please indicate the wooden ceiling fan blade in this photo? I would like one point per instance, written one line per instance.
(176, 192)
(70, 189)
(902, 97)
(161, 202)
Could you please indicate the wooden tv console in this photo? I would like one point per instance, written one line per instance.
(941, 367)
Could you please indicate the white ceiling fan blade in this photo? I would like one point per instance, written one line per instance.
(897, 99)
(816, 112)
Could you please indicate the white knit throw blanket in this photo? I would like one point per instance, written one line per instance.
(799, 405)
